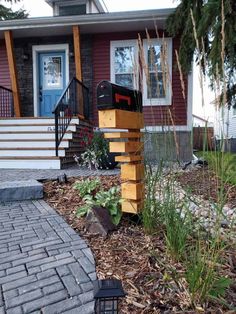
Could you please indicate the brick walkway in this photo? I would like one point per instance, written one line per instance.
(45, 267)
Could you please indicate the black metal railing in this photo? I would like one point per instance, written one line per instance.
(6, 102)
(74, 101)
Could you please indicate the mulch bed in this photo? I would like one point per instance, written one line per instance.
(204, 182)
(149, 276)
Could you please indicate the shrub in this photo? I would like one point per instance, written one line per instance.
(87, 186)
(108, 199)
(96, 154)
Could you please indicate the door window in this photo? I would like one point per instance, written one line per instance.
(52, 72)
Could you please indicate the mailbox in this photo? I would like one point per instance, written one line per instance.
(112, 96)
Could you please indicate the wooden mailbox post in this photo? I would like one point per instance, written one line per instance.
(111, 98)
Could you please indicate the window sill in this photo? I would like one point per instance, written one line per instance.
(156, 102)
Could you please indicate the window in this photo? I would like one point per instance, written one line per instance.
(72, 10)
(157, 73)
(157, 68)
(124, 65)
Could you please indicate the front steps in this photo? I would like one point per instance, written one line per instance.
(29, 143)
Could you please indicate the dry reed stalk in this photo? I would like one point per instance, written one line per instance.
(199, 56)
(180, 74)
(174, 132)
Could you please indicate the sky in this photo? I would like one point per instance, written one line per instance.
(41, 8)
(38, 8)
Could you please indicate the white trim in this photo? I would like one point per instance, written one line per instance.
(123, 43)
(46, 48)
(167, 101)
(190, 101)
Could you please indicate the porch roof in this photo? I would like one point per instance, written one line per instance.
(89, 23)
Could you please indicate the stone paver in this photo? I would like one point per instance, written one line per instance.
(45, 266)
(40, 175)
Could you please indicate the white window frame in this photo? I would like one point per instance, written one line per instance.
(167, 101)
(124, 43)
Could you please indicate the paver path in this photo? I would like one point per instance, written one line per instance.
(51, 174)
(45, 267)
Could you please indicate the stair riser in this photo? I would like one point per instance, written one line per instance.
(32, 144)
(33, 121)
(30, 164)
(34, 128)
(29, 136)
(30, 153)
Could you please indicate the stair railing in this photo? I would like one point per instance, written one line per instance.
(73, 101)
(6, 102)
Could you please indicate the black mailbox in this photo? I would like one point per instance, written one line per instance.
(112, 96)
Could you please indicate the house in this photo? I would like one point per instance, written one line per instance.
(225, 128)
(39, 58)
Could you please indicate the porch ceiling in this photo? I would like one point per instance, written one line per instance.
(92, 23)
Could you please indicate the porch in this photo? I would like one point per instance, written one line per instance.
(42, 114)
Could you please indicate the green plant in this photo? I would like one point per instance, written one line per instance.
(96, 154)
(178, 222)
(152, 207)
(87, 186)
(224, 164)
(201, 272)
(108, 199)
(163, 209)
(111, 201)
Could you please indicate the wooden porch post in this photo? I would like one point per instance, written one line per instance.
(78, 67)
(13, 72)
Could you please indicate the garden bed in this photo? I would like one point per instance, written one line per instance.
(204, 182)
(154, 282)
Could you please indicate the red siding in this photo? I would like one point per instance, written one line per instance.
(4, 69)
(153, 115)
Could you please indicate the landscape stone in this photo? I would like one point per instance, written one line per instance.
(98, 221)
(20, 190)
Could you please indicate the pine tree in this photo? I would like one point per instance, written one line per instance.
(9, 14)
(208, 19)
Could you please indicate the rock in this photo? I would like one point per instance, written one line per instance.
(98, 221)
(225, 224)
(62, 178)
(193, 207)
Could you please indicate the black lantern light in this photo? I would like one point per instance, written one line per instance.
(107, 293)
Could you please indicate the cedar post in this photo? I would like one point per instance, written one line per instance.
(78, 67)
(131, 146)
(13, 72)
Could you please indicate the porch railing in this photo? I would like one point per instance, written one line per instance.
(6, 102)
(73, 101)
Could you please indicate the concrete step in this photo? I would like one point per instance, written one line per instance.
(30, 143)
(30, 152)
(20, 190)
(46, 121)
(32, 128)
(32, 135)
(30, 163)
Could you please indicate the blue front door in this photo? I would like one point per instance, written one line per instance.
(51, 80)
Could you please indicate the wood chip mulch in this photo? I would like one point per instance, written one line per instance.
(204, 182)
(152, 280)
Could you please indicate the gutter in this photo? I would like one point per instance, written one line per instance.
(88, 19)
